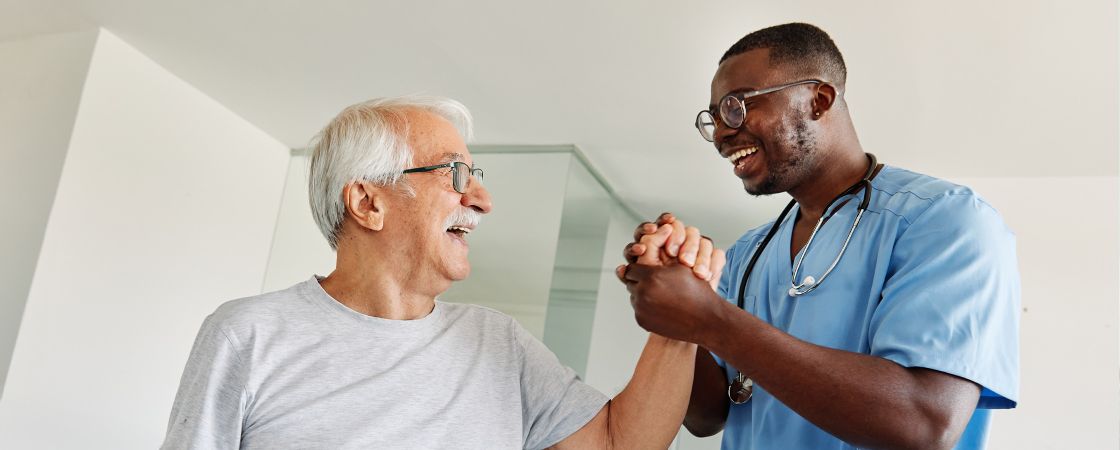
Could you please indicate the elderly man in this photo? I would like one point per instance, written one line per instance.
(879, 310)
(367, 357)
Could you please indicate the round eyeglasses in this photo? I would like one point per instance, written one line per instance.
(732, 109)
(461, 174)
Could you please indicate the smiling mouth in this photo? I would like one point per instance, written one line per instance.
(459, 232)
(739, 158)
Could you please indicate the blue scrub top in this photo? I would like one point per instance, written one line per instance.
(929, 280)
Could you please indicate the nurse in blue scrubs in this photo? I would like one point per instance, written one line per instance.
(879, 310)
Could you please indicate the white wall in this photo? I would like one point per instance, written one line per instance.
(39, 91)
(616, 339)
(165, 209)
(1067, 242)
(298, 249)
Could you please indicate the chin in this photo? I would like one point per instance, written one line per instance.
(460, 273)
(764, 187)
(753, 189)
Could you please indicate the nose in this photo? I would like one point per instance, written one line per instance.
(722, 132)
(477, 197)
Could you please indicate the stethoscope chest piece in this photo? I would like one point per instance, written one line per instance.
(740, 390)
(807, 283)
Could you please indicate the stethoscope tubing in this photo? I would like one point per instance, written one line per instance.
(801, 289)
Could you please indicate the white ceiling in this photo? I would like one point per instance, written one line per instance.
(953, 88)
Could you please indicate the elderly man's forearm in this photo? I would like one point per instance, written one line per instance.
(648, 413)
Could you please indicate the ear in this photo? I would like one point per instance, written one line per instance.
(366, 204)
(824, 98)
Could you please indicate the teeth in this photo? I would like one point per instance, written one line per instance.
(465, 230)
(735, 157)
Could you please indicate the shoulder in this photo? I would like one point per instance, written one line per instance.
(748, 240)
(241, 314)
(477, 315)
(915, 197)
(486, 324)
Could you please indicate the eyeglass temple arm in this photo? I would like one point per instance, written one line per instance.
(427, 168)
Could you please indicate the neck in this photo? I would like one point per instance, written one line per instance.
(833, 176)
(371, 285)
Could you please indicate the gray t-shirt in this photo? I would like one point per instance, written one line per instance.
(296, 369)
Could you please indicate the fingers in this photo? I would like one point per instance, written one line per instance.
(718, 261)
(666, 217)
(703, 267)
(653, 244)
(673, 245)
(632, 251)
(642, 245)
(691, 247)
(643, 229)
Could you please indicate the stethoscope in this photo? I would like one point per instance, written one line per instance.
(742, 388)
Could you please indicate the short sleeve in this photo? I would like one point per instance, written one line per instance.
(951, 298)
(210, 404)
(555, 403)
(731, 271)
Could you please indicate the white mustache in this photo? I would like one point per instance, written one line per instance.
(463, 216)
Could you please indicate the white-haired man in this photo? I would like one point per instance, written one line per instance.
(368, 358)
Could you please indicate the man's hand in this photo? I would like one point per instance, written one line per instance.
(671, 301)
(656, 244)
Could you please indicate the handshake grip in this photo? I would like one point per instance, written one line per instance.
(669, 241)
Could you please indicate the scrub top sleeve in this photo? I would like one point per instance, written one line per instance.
(950, 301)
(728, 286)
(729, 271)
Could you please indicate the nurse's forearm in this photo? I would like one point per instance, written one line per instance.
(708, 402)
(867, 401)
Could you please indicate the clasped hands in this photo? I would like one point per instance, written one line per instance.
(672, 273)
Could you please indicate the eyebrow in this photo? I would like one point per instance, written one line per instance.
(451, 156)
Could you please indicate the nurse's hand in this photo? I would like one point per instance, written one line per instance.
(669, 238)
(671, 301)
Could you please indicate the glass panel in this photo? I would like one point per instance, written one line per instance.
(578, 268)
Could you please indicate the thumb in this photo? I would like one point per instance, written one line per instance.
(637, 272)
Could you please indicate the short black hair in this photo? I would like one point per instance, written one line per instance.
(805, 47)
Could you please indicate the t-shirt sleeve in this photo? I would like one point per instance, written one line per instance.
(210, 404)
(951, 298)
(554, 402)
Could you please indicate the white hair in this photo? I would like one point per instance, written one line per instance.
(368, 141)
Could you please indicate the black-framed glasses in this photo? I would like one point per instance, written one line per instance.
(460, 174)
(732, 109)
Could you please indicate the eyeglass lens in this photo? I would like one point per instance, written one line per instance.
(732, 111)
(707, 125)
(461, 174)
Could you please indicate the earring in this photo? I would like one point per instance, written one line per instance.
(817, 114)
